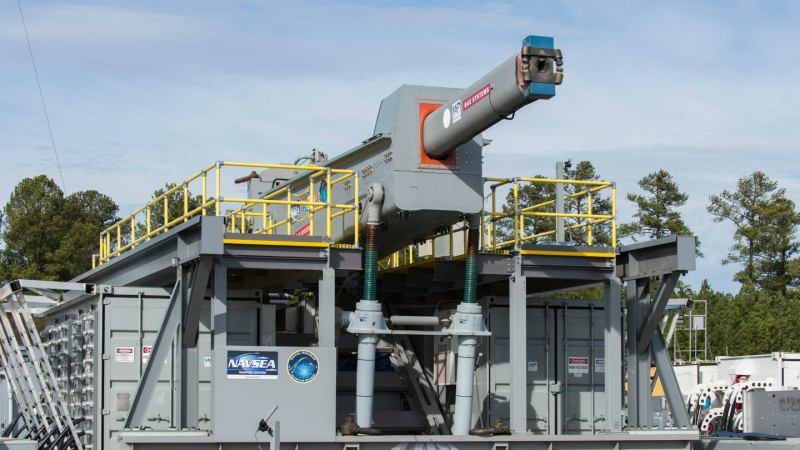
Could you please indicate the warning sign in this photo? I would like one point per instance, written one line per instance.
(600, 365)
(124, 355)
(146, 351)
(578, 365)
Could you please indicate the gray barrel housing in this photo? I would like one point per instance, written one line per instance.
(495, 96)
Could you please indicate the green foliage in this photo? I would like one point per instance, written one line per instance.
(50, 236)
(751, 322)
(766, 223)
(535, 193)
(657, 212)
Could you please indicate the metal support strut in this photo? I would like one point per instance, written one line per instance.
(467, 320)
(368, 321)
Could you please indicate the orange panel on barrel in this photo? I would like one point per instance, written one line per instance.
(450, 160)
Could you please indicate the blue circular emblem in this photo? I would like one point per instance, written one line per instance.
(302, 366)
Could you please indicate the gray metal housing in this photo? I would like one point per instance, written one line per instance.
(421, 195)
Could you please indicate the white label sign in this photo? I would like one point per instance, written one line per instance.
(146, 351)
(533, 366)
(206, 361)
(578, 365)
(124, 355)
(600, 365)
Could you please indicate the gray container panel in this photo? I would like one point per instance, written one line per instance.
(540, 363)
(122, 378)
(584, 388)
(122, 370)
(306, 410)
(554, 335)
(242, 323)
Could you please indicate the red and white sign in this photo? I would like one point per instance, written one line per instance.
(305, 230)
(146, 351)
(476, 97)
(578, 365)
(124, 355)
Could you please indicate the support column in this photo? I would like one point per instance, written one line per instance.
(613, 357)
(219, 334)
(326, 308)
(639, 393)
(670, 382)
(517, 349)
(177, 372)
(188, 364)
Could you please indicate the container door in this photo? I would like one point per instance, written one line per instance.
(130, 330)
(581, 371)
(540, 366)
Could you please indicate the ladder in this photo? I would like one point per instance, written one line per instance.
(30, 375)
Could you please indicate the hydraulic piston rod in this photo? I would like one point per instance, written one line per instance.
(467, 321)
(529, 75)
(368, 321)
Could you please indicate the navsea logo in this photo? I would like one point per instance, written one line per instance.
(302, 366)
(256, 365)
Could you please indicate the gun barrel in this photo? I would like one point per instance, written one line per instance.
(529, 75)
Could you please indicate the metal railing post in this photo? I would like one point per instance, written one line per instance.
(166, 211)
(185, 202)
(493, 224)
(205, 194)
(288, 210)
(613, 215)
(311, 209)
(517, 226)
(217, 201)
(329, 194)
(560, 235)
(590, 225)
(357, 204)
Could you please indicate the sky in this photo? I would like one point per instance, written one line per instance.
(143, 92)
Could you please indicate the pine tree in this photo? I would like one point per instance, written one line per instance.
(765, 238)
(657, 212)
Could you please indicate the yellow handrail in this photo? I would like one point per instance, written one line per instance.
(139, 226)
(587, 217)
